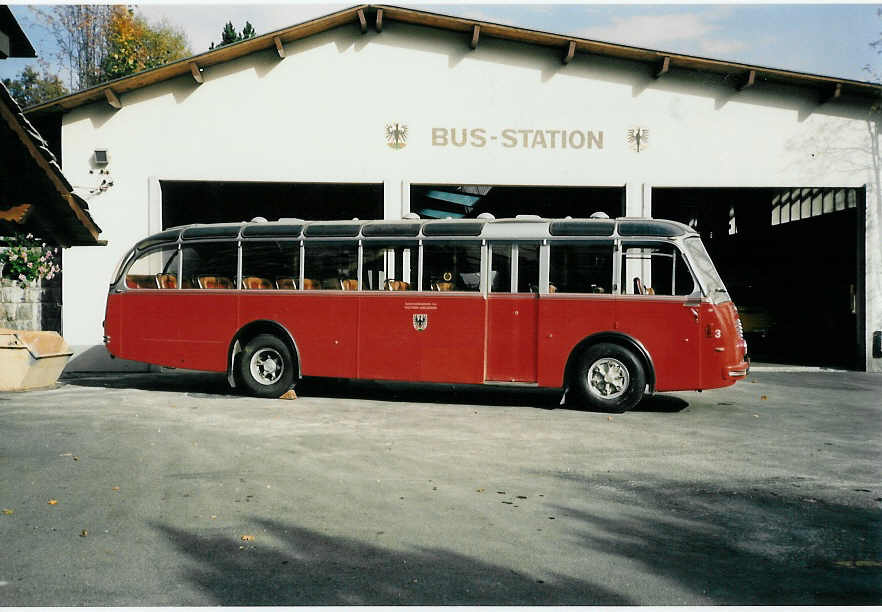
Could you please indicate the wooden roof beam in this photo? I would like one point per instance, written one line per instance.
(379, 23)
(196, 71)
(362, 21)
(832, 94)
(280, 48)
(663, 67)
(748, 81)
(476, 34)
(571, 52)
(112, 99)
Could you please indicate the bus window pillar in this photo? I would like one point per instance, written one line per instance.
(638, 203)
(544, 265)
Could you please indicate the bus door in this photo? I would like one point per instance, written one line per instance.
(660, 306)
(512, 312)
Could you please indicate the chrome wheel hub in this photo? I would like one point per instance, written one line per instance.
(608, 378)
(267, 366)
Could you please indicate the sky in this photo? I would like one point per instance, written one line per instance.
(826, 39)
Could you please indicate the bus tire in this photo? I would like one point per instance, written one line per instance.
(607, 377)
(265, 366)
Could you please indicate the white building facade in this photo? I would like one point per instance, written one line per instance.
(410, 104)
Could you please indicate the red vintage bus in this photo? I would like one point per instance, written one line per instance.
(608, 309)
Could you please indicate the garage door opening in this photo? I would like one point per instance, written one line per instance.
(792, 261)
(505, 201)
(185, 202)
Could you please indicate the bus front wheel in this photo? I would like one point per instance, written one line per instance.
(265, 366)
(608, 377)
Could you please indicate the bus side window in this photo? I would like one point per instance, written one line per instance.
(389, 266)
(271, 264)
(146, 271)
(528, 267)
(330, 265)
(584, 267)
(500, 267)
(452, 265)
(209, 265)
(655, 269)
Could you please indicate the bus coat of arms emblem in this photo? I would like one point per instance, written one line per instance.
(420, 321)
(396, 135)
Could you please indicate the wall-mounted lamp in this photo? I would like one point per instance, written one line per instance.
(102, 157)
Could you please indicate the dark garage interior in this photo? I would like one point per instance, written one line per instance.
(185, 202)
(791, 259)
(505, 201)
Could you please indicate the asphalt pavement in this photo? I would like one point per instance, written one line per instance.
(169, 489)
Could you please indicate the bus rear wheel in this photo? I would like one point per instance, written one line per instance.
(265, 366)
(607, 377)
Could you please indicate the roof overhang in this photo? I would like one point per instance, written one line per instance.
(35, 196)
(741, 75)
(19, 45)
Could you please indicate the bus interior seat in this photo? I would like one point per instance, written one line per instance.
(349, 284)
(309, 283)
(638, 286)
(286, 283)
(214, 282)
(141, 281)
(442, 286)
(256, 282)
(395, 285)
(552, 288)
(166, 280)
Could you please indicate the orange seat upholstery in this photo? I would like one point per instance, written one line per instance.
(396, 285)
(349, 284)
(256, 282)
(442, 286)
(287, 283)
(167, 281)
(214, 282)
(309, 283)
(141, 281)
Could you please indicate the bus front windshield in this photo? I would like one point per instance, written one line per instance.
(706, 271)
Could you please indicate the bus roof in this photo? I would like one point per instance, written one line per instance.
(524, 227)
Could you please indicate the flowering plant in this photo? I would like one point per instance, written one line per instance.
(25, 258)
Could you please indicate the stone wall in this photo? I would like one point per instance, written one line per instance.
(35, 307)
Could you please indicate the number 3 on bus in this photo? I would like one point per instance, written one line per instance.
(608, 309)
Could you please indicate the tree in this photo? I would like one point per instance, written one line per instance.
(81, 33)
(135, 45)
(31, 88)
(101, 42)
(230, 36)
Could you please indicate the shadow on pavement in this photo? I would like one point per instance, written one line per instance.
(209, 383)
(753, 543)
(290, 565)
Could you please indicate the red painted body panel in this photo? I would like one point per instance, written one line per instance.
(521, 337)
(721, 356)
(669, 330)
(322, 323)
(449, 349)
(511, 337)
(189, 329)
(564, 321)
